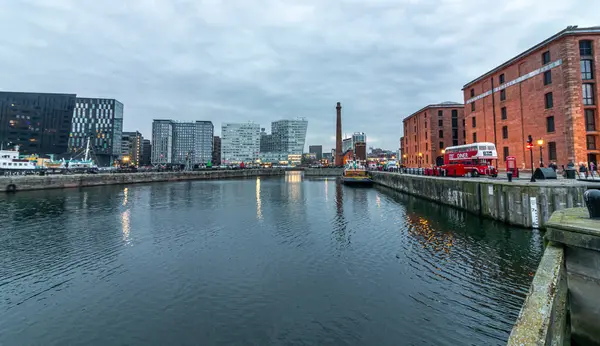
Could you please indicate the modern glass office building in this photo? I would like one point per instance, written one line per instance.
(100, 120)
(38, 122)
(146, 152)
(289, 135)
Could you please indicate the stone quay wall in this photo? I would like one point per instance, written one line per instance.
(23, 183)
(323, 172)
(563, 303)
(518, 203)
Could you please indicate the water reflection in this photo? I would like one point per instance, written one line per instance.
(294, 180)
(258, 201)
(125, 224)
(359, 267)
(340, 223)
(125, 196)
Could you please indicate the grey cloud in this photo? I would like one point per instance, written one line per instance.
(262, 60)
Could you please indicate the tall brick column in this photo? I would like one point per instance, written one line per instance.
(338, 136)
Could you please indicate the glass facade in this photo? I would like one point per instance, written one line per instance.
(216, 156)
(38, 122)
(146, 152)
(100, 120)
(289, 136)
(317, 150)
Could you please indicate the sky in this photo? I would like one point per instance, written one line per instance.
(265, 60)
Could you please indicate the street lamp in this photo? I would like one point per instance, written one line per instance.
(443, 151)
(540, 142)
(420, 159)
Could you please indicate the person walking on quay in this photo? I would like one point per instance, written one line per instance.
(582, 169)
(592, 168)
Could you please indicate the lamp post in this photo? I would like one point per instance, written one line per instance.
(420, 159)
(540, 142)
(530, 148)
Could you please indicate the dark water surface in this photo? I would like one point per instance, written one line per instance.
(277, 261)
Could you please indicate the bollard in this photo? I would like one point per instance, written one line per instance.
(509, 175)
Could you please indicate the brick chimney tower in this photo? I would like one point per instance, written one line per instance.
(339, 158)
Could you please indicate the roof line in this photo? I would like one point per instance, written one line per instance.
(437, 105)
(570, 30)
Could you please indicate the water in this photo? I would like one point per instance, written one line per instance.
(277, 261)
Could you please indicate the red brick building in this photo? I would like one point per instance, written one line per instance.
(549, 92)
(429, 130)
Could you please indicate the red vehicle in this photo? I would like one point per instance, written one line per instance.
(473, 159)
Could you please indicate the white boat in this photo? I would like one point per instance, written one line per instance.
(74, 164)
(11, 164)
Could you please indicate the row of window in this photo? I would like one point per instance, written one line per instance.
(551, 147)
(587, 72)
(590, 123)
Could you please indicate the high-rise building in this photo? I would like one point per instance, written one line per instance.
(289, 135)
(162, 142)
(38, 122)
(204, 141)
(550, 91)
(359, 137)
(184, 137)
(131, 147)
(267, 142)
(146, 152)
(181, 142)
(285, 143)
(100, 120)
(347, 144)
(317, 150)
(240, 142)
(216, 155)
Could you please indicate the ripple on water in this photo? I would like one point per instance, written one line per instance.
(266, 261)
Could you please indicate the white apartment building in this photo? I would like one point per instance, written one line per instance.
(240, 142)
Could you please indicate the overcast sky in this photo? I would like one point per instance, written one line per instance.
(264, 60)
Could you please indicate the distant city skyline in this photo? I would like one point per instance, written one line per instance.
(381, 59)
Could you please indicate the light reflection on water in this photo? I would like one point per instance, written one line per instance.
(258, 261)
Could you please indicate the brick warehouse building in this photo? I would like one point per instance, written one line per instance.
(549, 92)
(429, 130)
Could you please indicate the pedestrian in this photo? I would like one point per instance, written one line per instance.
(592, 168)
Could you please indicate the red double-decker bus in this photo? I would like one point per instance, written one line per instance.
(473, 159)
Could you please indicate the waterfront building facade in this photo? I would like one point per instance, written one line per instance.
(240, 142)
(203, 142)
(38, 122)
(100, 120)
(162, 142)
(346, 144)
(289, 136)
(428, 131)
(131, 148)
(146, 152)
(181, 143)
(550, 92)
(216, 155)
(317, 150)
